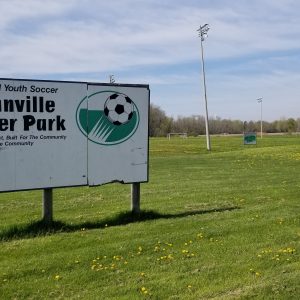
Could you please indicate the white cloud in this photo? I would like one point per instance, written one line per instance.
(18, 10)
(149, 34)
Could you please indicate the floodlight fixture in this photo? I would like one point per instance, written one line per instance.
(203, 31)
(112, 79)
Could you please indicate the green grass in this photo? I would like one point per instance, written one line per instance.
(214, 225)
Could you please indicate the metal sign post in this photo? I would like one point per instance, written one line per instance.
(47, 205)
(135, 197)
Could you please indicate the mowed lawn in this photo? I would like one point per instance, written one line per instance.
(223, 224)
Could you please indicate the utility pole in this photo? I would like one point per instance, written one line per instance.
(202, 34)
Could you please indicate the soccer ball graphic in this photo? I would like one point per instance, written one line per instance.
(118, 108)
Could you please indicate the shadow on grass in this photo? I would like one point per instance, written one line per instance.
(41, 228)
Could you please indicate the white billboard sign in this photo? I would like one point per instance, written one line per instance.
(55, 134)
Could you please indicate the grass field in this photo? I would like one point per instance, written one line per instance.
(218, 225)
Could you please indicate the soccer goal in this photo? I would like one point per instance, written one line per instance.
(177, 134)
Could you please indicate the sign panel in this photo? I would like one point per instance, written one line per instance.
(55, 134)
(116, 125)
(250, 138)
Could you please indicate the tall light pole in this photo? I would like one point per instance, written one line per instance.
(260, 100)
(202, 34)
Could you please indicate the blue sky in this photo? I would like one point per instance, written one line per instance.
(252, 50)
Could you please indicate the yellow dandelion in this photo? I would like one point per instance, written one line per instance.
(57, 277)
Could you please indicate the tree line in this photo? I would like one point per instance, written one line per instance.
(160, 125)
